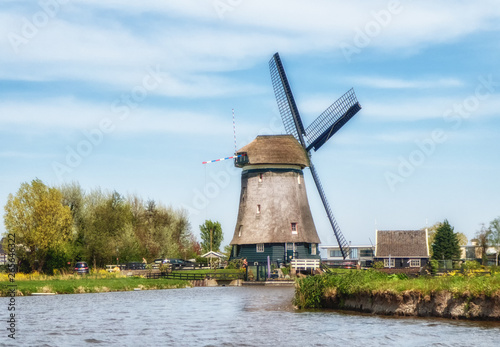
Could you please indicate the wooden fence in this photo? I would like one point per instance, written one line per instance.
(305, 264)
(222, 276)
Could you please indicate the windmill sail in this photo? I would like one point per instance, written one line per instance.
(343, 245)
(327, 124)
(331, 120)
(286, 102)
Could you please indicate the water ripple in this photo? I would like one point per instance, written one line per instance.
(224, 316)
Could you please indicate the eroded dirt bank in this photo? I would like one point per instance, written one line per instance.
(410, 303)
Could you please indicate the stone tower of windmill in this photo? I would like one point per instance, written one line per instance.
(274, 218)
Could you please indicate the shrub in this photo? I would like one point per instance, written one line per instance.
(202, 260)
(471, 265)
(378, 265)
(434, 264)
(495, 269)
(235, 264)
(285, 270)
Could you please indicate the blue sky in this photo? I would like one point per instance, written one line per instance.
(135, 96)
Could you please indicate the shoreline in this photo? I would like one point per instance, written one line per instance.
(89, 285)
(443, 304)
(465, 296)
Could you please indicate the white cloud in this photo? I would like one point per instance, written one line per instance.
(65, 115)
(396, 83)
(109, 49)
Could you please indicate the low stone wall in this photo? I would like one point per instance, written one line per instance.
(443, 304)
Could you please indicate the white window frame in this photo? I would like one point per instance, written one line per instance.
(337, 251)
(414, 262)
(313, 249)
(293, 227)
(353, 253)
(259, 248)
(391, 264)
(258, 209)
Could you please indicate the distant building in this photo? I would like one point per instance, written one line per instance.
(3, 256)
(402, 248)
(358, 255)
(474, 252)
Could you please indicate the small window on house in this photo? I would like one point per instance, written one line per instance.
(313, 249)
(366, 252)
(258, 209)
(289, 246)
(260, 247)
(335, 253)
(388, 263)
(260, 177)
(239, 230)
(294, 228)
(414, 262)
(353, 253)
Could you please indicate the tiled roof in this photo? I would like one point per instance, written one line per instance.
(401, 243)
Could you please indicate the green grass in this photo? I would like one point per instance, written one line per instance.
(206, 271)
(310, 291)
(90, 284)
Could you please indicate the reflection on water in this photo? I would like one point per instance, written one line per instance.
(223, 316)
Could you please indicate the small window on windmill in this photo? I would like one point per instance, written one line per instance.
(260, 247)
(260, 177)
(258, 209)
(294, 228)
(313, 249)
(239, 230)
(298, 178)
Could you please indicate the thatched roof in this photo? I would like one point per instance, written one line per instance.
(401, 244)
(275, 149)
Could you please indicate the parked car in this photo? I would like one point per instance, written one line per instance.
(348, 265)
(174, 263)
(81, 267)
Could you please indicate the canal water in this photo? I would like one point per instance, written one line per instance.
(221, 316)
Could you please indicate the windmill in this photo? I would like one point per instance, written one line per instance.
(316, 134)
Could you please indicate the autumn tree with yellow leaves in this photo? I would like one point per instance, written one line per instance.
(39, 221)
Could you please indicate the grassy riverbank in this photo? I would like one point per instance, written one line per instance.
(313, 291)
(94, 283)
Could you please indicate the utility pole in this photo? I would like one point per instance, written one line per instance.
(211, 259)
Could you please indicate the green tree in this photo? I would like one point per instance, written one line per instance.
(39, 221)
(211, 236)
(74, 198)
(106, 217)
(483, 239)
(445, 245)
(462, 239)
(494, 236)
(161, 231)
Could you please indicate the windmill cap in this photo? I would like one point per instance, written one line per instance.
(275, 149)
